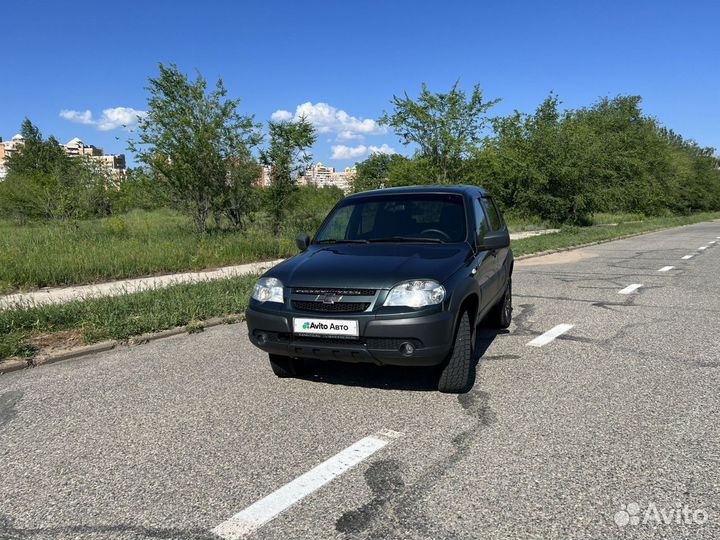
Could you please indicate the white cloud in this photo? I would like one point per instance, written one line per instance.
(384, 149)
(340, 151)
(124, 117)
(281, 116)
(113, 118)
(79, 117)
(328, 119)
(347, 135)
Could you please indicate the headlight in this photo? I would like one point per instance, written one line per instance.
(416, 293)
(268, 289)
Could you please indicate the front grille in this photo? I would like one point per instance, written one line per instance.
(341, 292)
(339, 307)
(323, 340)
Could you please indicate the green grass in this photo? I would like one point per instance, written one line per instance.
(139, 243)
(575, 236)
(122, 317)
(614, 219)
(517, 223)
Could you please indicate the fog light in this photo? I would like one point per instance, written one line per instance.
(261, 338)
(407, 349)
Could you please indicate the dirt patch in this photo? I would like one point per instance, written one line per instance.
(530, 234)
(562, 257)
(54, 341)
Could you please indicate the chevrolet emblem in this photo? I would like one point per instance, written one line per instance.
(328, 298)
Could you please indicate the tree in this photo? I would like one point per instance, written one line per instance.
(44, 182)
(541, 164)
(139, 188)
(240, 198)
(37, 155)
(374, 172)
(287, 157)
(191, 137)
(446, 127)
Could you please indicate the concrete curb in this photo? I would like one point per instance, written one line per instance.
(15, 364)
(75, 352)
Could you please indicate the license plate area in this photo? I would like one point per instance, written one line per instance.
(311, 326)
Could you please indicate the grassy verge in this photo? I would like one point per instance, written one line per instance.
(23, 331)
(575, 236)
(121, 317)
(140, 243)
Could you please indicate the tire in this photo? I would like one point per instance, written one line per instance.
(500, 315)
(285, 366)
(456, 372)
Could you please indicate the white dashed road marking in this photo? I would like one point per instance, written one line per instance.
(257, 514)
(712, 242)
(630, 288)
(703, 248)
(550, 335)
(686, 257)
(666, 268)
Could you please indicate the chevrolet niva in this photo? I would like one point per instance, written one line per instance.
(398, 276)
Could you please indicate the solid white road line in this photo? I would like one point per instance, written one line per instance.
(630, 288)
(550, 335)
(686, 257)
(666, 268)
(703, 248)
(259, 513)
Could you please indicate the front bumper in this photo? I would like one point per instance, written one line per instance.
(381, 337)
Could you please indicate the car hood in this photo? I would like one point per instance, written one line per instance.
(369, 266)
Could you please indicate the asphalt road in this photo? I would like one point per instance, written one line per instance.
(621, 413)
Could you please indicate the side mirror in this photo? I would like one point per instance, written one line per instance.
(494, 240)
(302, 241)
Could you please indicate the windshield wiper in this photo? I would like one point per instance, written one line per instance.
(407, 239)
(342, 241)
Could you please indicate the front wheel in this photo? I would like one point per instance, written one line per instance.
(500, 315)
(285, 366)
(456, 372)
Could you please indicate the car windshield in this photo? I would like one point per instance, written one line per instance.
(418, 217)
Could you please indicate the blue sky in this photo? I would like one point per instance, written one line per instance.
(341, 62)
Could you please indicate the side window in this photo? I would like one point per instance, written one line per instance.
(493, 214)
(480, 219)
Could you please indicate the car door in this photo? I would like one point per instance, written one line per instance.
(499, 256)
(484, 264)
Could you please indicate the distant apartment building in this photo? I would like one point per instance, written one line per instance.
(7, 148)
(113, 165)
(264, 180)
(319, 175)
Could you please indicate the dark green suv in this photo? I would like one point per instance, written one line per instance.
(396, 276)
